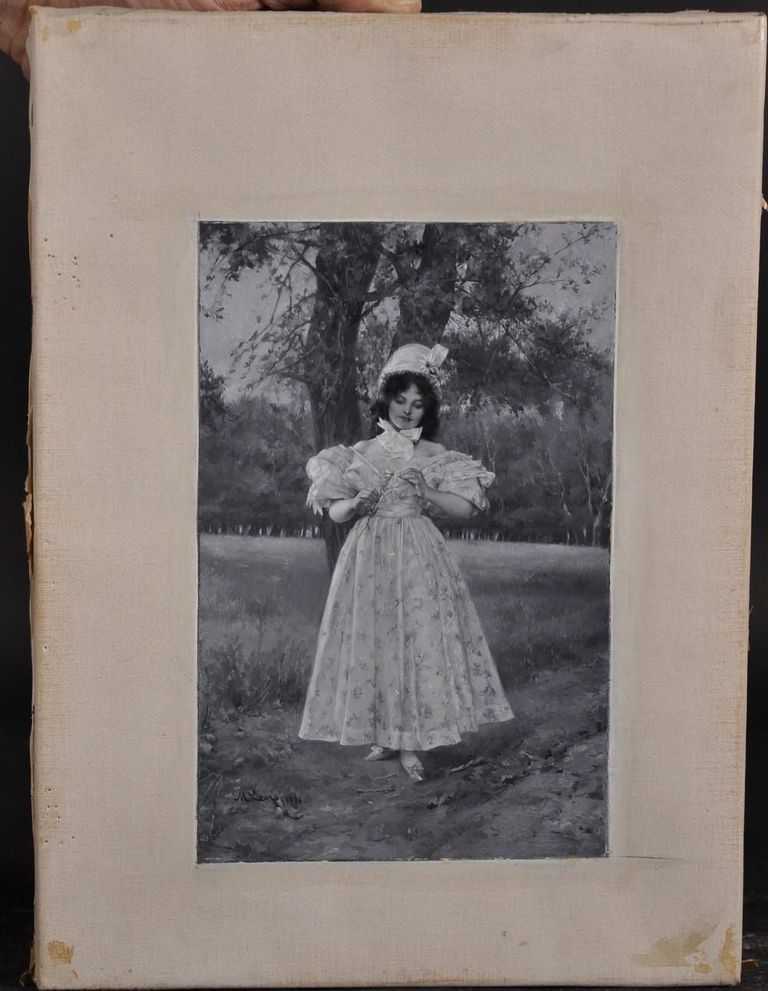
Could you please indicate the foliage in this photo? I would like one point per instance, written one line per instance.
(234, 681)
(476, 287)
(553, 470)
(252, 465)
(527, 386)
(211, 390)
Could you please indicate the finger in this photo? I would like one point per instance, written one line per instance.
(371, 6)
(14, 26)
(202, 6)
(288, 4)
(17, 48)
(183, 5)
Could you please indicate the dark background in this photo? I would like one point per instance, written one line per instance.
(16, 869)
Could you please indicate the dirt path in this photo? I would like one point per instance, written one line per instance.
(533, 787)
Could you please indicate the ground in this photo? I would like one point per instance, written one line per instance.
(532, 787)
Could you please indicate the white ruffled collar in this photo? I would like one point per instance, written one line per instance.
(398, 443)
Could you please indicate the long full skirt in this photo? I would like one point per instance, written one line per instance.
(401, 658)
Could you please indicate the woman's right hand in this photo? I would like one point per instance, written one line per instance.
(365, 501)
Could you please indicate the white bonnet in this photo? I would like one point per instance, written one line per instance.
(417, 358)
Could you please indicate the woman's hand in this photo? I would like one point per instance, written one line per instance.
(453, 506)
(365, 501)
(416, 479)
(14, 14)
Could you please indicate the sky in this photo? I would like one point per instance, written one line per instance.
(254, 294)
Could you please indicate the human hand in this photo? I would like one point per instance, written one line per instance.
(415, 477)
(365, 501)
(15, 15)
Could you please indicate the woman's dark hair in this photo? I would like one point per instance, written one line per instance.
(430, 421)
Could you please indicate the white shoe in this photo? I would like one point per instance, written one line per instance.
(412, 766)
(380, 753)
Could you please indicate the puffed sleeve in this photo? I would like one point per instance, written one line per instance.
(327, 471)
(460, 474)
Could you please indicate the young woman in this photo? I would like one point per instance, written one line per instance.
(401, 661)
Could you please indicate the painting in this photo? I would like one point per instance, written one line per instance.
(404, 516)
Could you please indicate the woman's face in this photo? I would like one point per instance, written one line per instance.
(406, 408)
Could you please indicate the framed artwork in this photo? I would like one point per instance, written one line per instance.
(391, 434)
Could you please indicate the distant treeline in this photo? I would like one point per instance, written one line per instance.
(552, 465)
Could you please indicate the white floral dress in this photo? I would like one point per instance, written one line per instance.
(401, 658)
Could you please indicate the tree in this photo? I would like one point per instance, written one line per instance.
(336, 298)
(252, 466)
(575, 468)
(211, 389)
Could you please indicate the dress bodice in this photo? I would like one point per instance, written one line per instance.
(397, 496)
(341, 472)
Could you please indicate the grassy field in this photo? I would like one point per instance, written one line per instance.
(532, 787)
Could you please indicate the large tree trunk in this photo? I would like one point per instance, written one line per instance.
(428, 285)
(346, 263)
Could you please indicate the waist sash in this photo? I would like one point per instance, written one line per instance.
(397, 510)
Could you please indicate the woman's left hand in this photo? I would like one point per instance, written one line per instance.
(415, 477)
